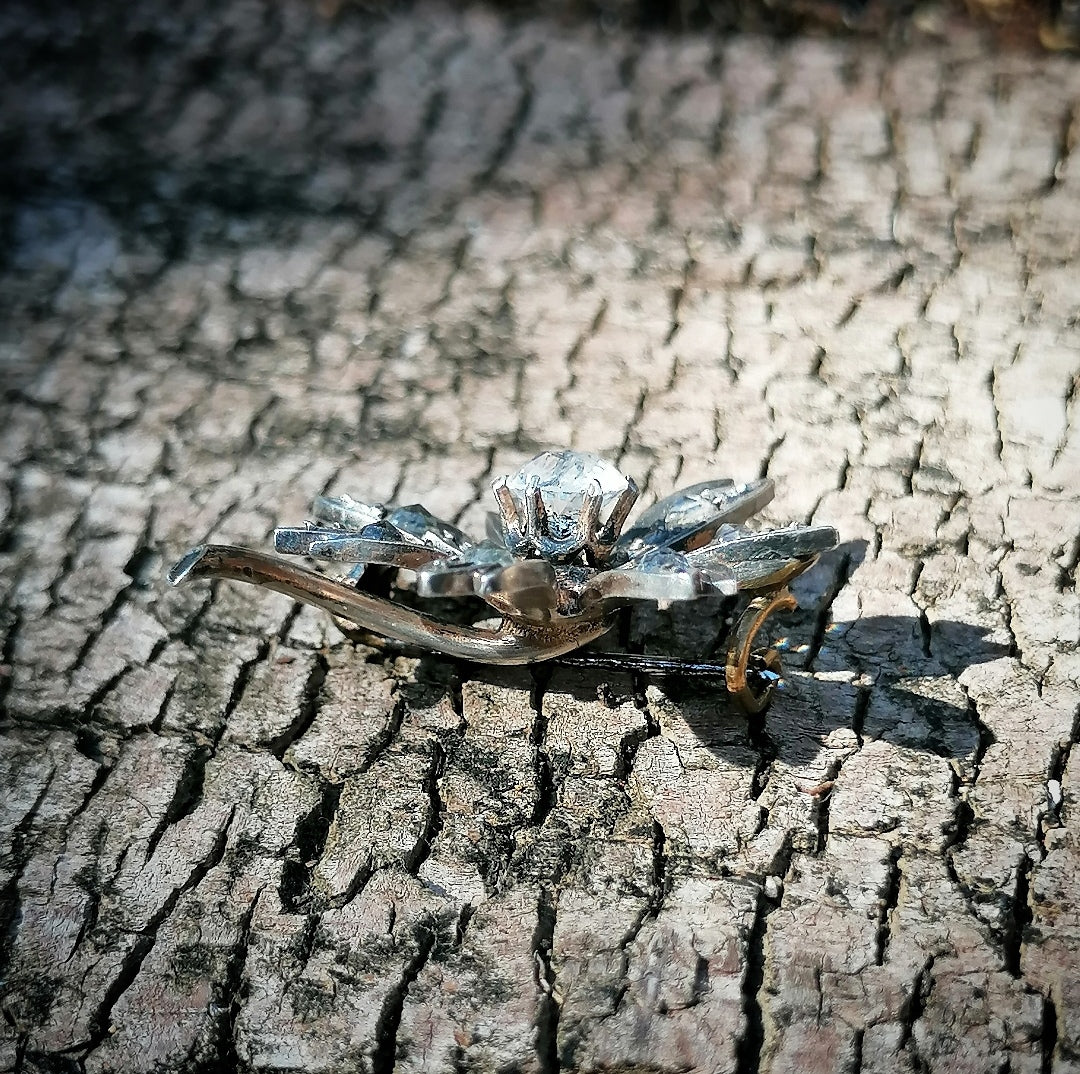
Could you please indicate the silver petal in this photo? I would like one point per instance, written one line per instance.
(377, 542)
(347, 512)
(690, 517)
(528, 587)
(490, 572)
(460, 576)
(756, 559)
(659, 575)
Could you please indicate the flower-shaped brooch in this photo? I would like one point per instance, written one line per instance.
(554, 567)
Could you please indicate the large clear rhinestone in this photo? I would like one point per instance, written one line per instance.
(563, 478)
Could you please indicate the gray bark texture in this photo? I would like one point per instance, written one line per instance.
(253, 254)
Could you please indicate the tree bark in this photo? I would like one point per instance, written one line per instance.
(255, 255)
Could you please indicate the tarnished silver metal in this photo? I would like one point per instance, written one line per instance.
(554, 567)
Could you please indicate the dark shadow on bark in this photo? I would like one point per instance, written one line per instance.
(907, 697)
(889, 677)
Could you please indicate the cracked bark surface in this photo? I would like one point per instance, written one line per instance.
(254, 255)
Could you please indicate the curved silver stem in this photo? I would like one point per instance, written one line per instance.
(513, 642)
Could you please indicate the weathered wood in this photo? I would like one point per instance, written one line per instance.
(254, 255)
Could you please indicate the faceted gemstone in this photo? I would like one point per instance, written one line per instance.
(689, 507)
(419, 522)
(563, 478)
(486, 554)
(720, 576)
(661, 561)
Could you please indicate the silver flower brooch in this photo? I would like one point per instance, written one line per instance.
(555, 567)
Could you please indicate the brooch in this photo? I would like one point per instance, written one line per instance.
(555, 566)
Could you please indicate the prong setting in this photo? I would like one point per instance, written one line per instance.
(565, 507)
